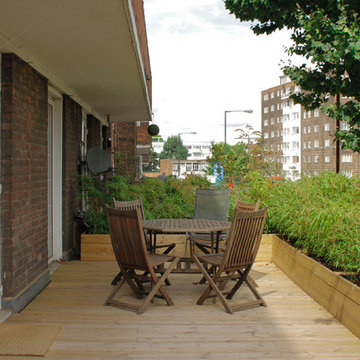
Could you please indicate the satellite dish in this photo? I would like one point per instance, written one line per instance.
(98, 161)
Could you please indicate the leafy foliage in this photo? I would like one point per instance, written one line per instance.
(171, 198)
(154, 163)
(318, 214)
(173, 147)
(327, 33)
(244, 157)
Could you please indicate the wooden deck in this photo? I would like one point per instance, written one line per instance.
(292, 327)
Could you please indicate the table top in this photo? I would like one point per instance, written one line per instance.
(186, 225)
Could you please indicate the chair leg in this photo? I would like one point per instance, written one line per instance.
(158, 287)
(212, 286)
(116, 278)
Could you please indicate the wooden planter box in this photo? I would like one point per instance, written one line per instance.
(97, 247)
(336, 294)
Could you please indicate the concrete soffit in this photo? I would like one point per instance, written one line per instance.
(87, 49)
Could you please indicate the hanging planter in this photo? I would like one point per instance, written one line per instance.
(153, 130)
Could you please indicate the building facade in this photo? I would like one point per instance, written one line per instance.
(303, 140)
(52, 110)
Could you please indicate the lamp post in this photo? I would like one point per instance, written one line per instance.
(182, 133)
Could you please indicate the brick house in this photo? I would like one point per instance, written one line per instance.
(71, 71)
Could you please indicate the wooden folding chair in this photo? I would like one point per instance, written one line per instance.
(242, 245)
(137, 204)
(128, 241)
(244, 206)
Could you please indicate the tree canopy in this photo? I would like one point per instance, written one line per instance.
(244, 157)
(172, 147)
(326, 33)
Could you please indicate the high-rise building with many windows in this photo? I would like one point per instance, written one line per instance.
(302, 140)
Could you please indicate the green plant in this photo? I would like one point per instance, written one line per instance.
(171, 198)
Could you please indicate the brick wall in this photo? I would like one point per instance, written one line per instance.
(93, 137)
(23, 174)
(72, 116)
(124, 146)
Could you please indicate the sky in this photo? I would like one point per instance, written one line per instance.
(205, 62)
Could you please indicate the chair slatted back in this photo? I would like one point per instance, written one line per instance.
(244, 238)
(212, 204)
(127, 238)
(130, 205)
(243, 206)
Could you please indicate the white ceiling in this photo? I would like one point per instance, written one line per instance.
(86, 48)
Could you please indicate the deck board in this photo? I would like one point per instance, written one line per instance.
(292, 326)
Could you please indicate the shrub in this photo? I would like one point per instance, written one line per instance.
(171, 198)
(318, 214)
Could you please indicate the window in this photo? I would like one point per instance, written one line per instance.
(316, 143)
(272, 121)
(285, 145)
(272, 94)
(347, 173)
(295, 145)
(327, 127)
(195, 166)
(278, 106)
(272, 134)
(316, 173)
(295, 130)
(278, 120)
(309, 159)
(304, 129)
(316, 158)
(309, 129)
(188, 167)
(266, 135)
(266, 97)
(316, 112)
(304, 159)
(327, 143)
(295, 159)
(295, 115)
(266, 122)
(304, 115)
(327, 158)
(309, 114)
(175, 167)
(272, 107)
(277, 133)
(345, 126)
(309, 144)
(285, 104)
(346, 158)
(304, 144)
(278, 93)
(266, 110)
(316, 128)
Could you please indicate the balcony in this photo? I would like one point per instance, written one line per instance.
(292, 326)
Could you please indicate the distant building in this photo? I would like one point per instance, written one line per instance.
(169, 167)
(303, 140)
(198, 150)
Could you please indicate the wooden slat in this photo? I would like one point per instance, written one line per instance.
(293, 326)
(337, 295)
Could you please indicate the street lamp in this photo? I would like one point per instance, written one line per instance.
(182, 133)
(230, 111)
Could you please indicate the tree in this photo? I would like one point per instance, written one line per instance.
(245, 156)
(171, 149)
(154, 163)
(326, 33)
